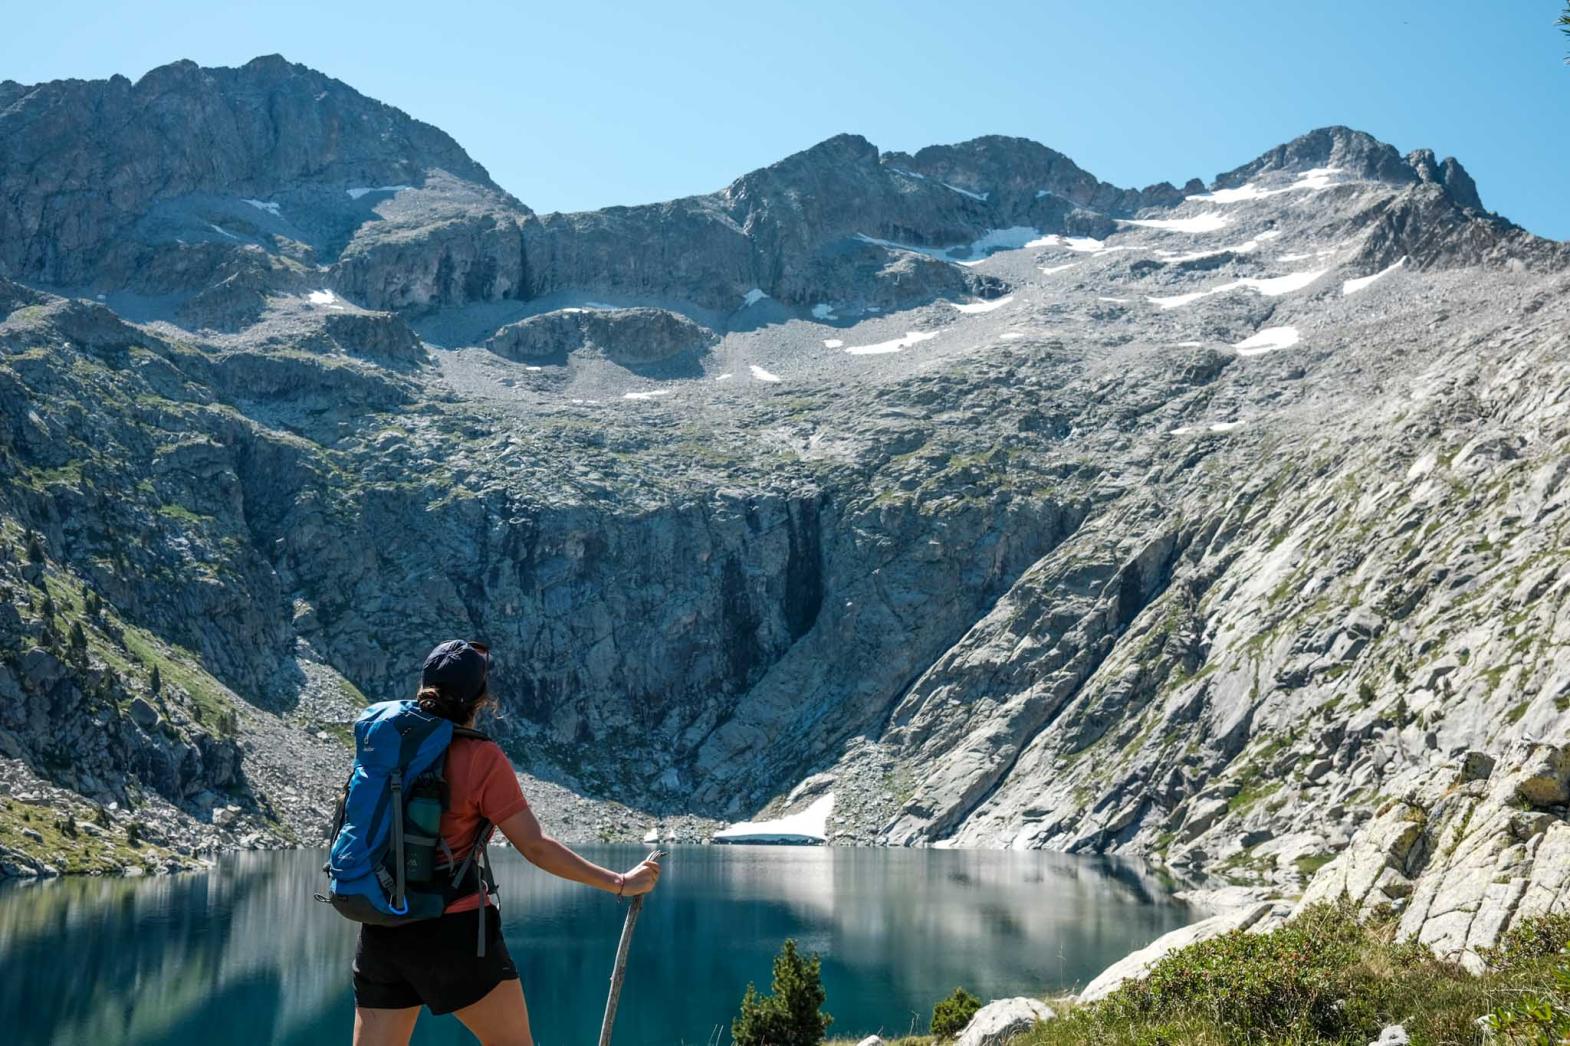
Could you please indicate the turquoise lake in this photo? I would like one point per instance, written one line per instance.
(241, 954)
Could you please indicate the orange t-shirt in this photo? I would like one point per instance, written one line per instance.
(481, 786)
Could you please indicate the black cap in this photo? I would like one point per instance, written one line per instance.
(458, 666)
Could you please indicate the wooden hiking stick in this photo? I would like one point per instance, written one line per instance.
(619, 971)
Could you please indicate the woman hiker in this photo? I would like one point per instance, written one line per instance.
(397, 969)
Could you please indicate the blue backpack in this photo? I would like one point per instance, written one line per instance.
(389, 864)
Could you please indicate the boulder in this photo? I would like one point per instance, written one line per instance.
(143, 714)
(1475, 766)
(378, 335)
(1392, 1035)
(627, 336)
(1541, 776)
(1003, 1020)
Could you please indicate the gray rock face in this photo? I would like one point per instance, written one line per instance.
(1012, 508)
(84, 160)
(629, 336)
(1463, 858)
(1359, 154)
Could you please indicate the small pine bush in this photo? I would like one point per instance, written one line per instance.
(792, 1016)
(950, 1015)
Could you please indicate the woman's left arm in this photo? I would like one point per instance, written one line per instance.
(523, 830)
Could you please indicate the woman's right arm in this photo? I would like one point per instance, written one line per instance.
(523, 830)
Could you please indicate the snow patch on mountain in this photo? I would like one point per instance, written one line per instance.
(1210, 221)
(893, 345)
(1356, 284)
(1268, 340)
(1269, 286)
(1313, 180)
(359, 191)
(982, 306)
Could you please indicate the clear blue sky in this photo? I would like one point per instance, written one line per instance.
(580, 104)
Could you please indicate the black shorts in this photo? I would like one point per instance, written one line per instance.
(432, 962)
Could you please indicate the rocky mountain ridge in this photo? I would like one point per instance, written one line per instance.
(1009, 506)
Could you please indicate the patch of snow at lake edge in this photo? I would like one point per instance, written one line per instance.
(762, 375)
(896, 345)
(808, 826)
(983, 306)
(1356, 284)
(753, 296)
(1268, 340)
(822, 311)
(833, 343)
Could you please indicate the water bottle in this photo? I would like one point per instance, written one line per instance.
(423, 817)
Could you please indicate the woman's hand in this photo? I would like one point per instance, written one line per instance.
(641, 879)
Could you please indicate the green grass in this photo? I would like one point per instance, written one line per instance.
(183, 514)
(73, 850)
(1322, 979)
(213, 703)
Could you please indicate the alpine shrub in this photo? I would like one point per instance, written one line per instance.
(792, 1016)
(950, 1015)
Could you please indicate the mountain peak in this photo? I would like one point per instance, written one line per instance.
(1361, 155)
(1448, 174)
(186, 132)
(845, 148)
(1356, 152)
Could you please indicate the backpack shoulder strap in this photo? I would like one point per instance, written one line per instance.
(469, 732)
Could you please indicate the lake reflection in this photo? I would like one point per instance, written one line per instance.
(242, 954)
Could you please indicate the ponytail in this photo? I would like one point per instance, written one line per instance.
(439, 701)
